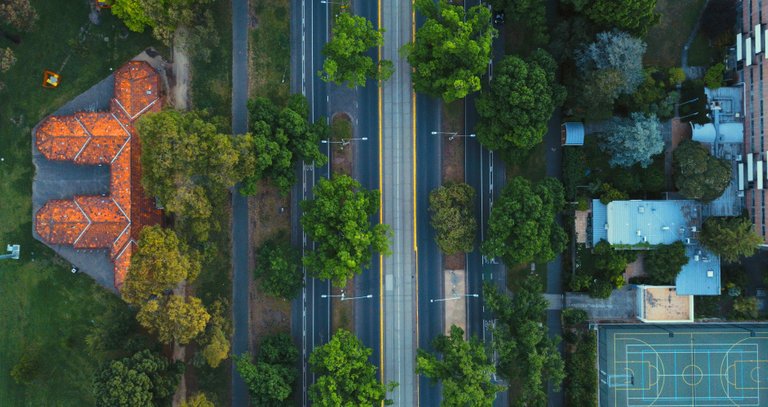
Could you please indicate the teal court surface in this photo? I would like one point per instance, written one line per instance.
(683, 365)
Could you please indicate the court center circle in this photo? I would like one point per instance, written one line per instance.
(692, 375)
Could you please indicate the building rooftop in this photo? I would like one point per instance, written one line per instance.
(112, 220)
(644, 224)
(663, 304)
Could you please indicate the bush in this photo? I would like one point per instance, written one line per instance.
(713, 79)
(580, 372)
(574, 316)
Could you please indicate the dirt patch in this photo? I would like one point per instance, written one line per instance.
(270, 213)
(453, 161)
(342, 152)
(343, 312)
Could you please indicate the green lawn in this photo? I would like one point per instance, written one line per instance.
(212, 80)
(666, 39)
(271, 50)
(701, 53)
(533, 166)
(42, 305)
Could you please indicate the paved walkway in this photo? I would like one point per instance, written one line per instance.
(399, 299)
(241, 244)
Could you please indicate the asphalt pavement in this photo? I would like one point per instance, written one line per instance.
(310, 312)
(241, 245)
(366, 171)
(399, 272)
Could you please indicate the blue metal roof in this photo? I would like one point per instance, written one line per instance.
(574, 133)
(701, 276)
(599, 222)
(652, 222)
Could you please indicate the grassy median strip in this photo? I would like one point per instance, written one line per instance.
(271, 50)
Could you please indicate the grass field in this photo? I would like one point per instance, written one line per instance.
(666, 39)
(271, 50)
(212, 80)
(42, 305)
(212, 90)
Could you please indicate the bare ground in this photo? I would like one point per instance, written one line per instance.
(453, 162)
(268, 315)
(343, 312)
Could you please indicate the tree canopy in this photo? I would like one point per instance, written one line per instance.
(451, 207)
(338, 221)
(664, 263)
(160, 263)
(174, 318)
(526, 354)
(604, 272)
(345, 377)
(634, 16)
(270, 379)
(198, 400)
(282, 137)
(699, 175)
(730, 237)
(614, 50)
(277, 268)
(166, 17)
(516, 107)
(451, 49)
(184, 156)
(144, 379)
(18, 14)
(346, 59)
(522, 225)
(633, 141)
(464, 370)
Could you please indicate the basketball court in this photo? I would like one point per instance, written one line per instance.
(683, 365)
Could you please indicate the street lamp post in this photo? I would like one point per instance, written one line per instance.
(345, 298)
(452, 134)
(344, 142)
(329, 2)
(455, 297)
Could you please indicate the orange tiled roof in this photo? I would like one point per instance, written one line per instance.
(111, 222)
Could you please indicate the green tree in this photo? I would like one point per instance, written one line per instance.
(338, 221)
(144, 379)
(633, 141)
(730, 237)
(522, 225)
(160, 263)
(580, 372)
(634, 16)
(277, 268)
(186, 155)
(28, 367)
(215, 342)
(745, 308)
(526, 354)
(174, 318)
(198, 400)
(664, 263)
(281, 138)
(713, 79)
(346, 58)
(270, 379)
(166, 18)
(531, 13)
(452, 210)
(451, 49)
(699, 175)
(516, 107)
(609, 194)
(18, 14)
(464, 370)
(345, 377)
